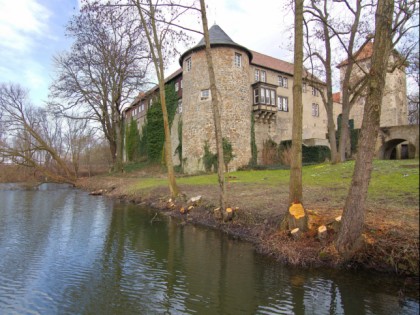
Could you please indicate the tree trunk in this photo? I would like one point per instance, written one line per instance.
(215, 108)
(295, 187)
(354, 209)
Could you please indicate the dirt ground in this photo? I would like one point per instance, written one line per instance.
(391, 238)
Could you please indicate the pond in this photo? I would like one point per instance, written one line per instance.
(65, 252)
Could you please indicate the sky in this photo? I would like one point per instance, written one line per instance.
(33, 31)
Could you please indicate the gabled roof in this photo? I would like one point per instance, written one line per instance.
(218, 37)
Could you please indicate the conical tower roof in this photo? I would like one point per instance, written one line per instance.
(218, 37)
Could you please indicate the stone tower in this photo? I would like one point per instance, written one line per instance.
(231, 65)
(394, 102)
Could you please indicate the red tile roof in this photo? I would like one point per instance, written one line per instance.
(265, 61)
(365, 53)
(337, 97)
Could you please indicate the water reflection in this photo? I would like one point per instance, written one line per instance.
(65, 252)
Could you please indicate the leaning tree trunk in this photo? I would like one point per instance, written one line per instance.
(215, 108)
(297, 219)
(354, 209)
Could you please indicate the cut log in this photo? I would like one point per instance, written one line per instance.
(322, 232)
(336, 224)
(296, 233)
(297, 217)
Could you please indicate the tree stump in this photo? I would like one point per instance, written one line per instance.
(322, 232)
(228, 214)
(336, 224)
(297, 217)
(296, 233)
(217, 214)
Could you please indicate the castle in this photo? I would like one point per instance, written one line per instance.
(256, 102)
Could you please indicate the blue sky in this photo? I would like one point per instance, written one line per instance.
(33, 31)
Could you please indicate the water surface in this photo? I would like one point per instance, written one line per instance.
(65, 252)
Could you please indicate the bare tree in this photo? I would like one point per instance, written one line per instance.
(159, 20)
(320, 17)
(104, 69)
(389, 21)
(215, 108)
(31, 138)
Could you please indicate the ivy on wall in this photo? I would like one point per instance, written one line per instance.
(132, 141)
(254, 150)
(210, 159)
(153, 134)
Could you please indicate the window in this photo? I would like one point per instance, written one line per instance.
(283, 103)
(257, 75)
(205, 94)
(176, 86)
(142, 107)
(256, 96)
(283, 81)
(238, 60)
(188, 63)
(264, 95)
(179, 109)
(315, 110)
(180, 84)
(304, 87)
(150, 102)
(263, 76)
(315, 91)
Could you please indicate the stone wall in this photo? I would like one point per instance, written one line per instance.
(235, 107)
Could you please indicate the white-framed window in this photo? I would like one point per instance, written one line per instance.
(180, 84)
(263, 76)
(256, 96)
(283, 81)
(150, 102)
(188, 64)
(257, 75)
(176, 86)
(282, 103)
(142, 107)
(238, 60)
(264, 96)
(205, 94)
(315, 91)
(315, 110)
(179, 109)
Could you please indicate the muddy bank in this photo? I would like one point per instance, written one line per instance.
(387, 247)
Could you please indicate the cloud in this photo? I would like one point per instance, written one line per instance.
(21, 22)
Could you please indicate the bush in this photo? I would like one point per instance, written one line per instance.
(310, 154)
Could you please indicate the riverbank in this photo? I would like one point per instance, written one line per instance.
(259, 200)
